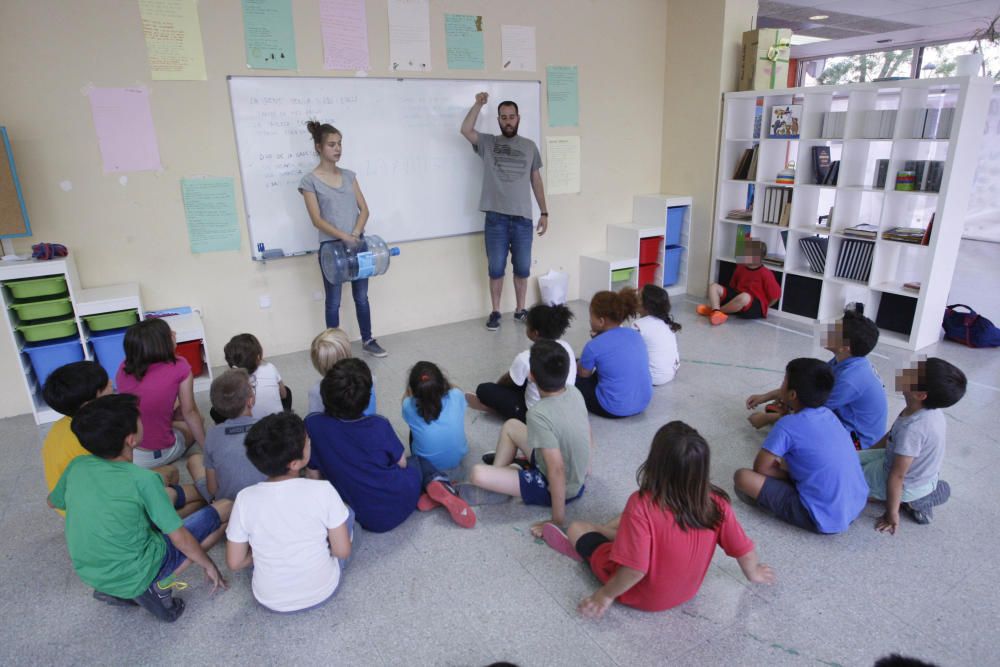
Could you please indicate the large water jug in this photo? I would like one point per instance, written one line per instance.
(341, 264)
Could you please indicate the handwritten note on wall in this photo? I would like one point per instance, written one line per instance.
(562, 165)
(124, 125)
(173, 39)
(409, 35)
(344, 25)
(210, 209)
(269, 34)
(517, 47)
(464, 41)
(563, 95)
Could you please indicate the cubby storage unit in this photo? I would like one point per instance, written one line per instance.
(653, 248)
(874, 131)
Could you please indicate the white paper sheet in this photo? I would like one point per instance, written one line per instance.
(345, 34)
(562, 165)
(409, 35)
(517, 48)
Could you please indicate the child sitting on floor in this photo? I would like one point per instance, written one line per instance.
(658, 330)
(271, 395)
(655, 554)
(295, 533)
(613, 372)
(556, 441)
(514, 393)
(328, 348)
(902, 469)
(123, 535)
(225, 470)
(435, 413)
(806, 472)
(365, 461)
(858, 397)
(752, 289)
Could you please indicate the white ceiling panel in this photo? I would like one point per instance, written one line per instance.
(895, 10)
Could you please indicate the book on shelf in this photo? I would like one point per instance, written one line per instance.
(863, 231)
(933, 123)
(774, 260)
(752, 170)
(821, 163)
(927, 174)
(776, 200)
(785, 120)
(913, 235)
(855, 260)
(879, 124)
(746, 166)
(832, 173)
(758, 117)
(833, 124)
(927, 232)
(814, 249)
(913, 285)
(881, 173)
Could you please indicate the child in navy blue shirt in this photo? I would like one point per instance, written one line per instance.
(807, 472)
(613, 371)
(365, 461)
(435, 413)
(858, 397)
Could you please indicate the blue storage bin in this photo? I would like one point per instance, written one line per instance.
(671, 264)
(675, 224)
(51, 354)
(109, 348)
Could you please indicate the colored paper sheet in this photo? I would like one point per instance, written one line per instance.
(517, 48)
(463, 35)
(409, 35)
(210, 209)
(124, 125)
(563, 95)
(269, 34)
(173, 39)
(344, 25)
(562, 165)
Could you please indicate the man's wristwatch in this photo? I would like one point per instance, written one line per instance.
(544, 214)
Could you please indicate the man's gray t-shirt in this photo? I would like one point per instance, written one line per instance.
(225, 453)
(507, 167)
(922, 436)
(338, 206)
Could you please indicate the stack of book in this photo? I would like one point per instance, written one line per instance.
(740, 214)
(933, 123)
(913, 235)
(913, 286)
(927, 174)
(746, 166)
(833, 124)
(777, 205)
(814, 248)
(774, 260)
(881, 172)
(879, 124)
(832, 174)
(855, 260)
(862, 231)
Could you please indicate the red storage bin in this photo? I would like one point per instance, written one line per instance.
(191, 350)
(647, 274)
(649, 249)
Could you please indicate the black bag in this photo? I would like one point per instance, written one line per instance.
(969, 328)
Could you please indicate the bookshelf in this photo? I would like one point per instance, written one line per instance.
(897, 126)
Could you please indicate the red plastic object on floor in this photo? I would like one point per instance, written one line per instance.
(649, 249)
(191, 350)
(647, 274)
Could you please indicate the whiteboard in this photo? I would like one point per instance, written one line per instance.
(420, 176)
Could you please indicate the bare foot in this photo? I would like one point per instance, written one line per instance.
(476, 404)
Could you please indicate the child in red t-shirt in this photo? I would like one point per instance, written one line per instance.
(654, 556)
(752, 289)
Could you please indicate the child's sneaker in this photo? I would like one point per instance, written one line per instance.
(703, 309)
(445, 494)
(114, 601)
(476, 495)
(717, 318)
(161, 603)
(490, 457)
(556, 538)
(521, 316)
(922, 509)
(425, 503)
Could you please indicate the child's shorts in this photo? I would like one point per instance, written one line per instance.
(154, 458)
(535, 486)
(595, 549)
(782, 499)
(751, 311)
(201, 524)
(873, 465)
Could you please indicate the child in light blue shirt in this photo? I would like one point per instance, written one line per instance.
(435, 413)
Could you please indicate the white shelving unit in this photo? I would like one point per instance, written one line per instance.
(907, 318)
(649, 220)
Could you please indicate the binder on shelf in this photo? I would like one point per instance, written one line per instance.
(814, 248)
(855, 259)
(881, 173)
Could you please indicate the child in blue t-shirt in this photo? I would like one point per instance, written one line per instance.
(435, 413)
(613, 371)
(365, 461)
(858, 397)
(807, 472)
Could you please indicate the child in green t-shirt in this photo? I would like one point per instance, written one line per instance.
(122, 532)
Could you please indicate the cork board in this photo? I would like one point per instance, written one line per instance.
(13, 214)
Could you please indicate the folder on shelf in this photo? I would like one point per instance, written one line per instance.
(814, 248)
(855, 260)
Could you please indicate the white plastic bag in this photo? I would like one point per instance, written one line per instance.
(554, 287)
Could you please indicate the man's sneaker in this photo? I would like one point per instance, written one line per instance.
(521, 316)
(490, 457)
(445, 494)
(493, 323)
(373, 348)
(161, 603)
(476, 495)
(114, 601)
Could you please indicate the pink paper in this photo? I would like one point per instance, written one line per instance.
(345, 34)
(125, 133)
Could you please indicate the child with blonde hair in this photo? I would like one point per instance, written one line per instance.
(329, 347)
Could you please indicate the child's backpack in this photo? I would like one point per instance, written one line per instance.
(969, 328)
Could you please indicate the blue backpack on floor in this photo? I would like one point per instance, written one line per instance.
(969, 328)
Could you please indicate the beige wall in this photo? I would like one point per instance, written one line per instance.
(136, 232)
(703, 50)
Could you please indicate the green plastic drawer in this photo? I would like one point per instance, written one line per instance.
(115, 320)
(47, 330)
(32, 287)
(620, 275)
(38, 310)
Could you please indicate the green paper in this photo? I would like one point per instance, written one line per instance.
(210, 209)
(563, 95)
(269, 34)
(464, 39)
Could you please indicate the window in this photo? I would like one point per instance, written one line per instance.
(857, 68)
(939, 60)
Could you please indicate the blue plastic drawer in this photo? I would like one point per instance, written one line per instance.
(109, 348)
(50, 355)
(675, 224)
(672, 264)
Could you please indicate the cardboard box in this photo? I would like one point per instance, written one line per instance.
(765, 59)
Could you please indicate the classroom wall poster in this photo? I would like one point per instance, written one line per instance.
(269, 34)
(344, 25)
(464, 41)
(517, 48)
(563, 95)
(125, 132)
(409, 35)
(173, 39)
(562, 165)
(210, 210)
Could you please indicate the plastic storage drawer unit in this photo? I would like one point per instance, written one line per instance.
(109, 348)
(672, 264)
(46, 357)
(675, 224)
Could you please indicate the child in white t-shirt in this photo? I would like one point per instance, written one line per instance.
(245, 351)
(658, 330)
(515, 392)
(295, 532)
